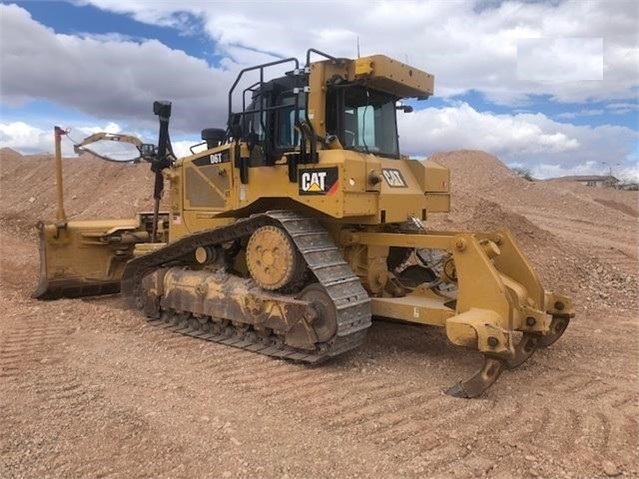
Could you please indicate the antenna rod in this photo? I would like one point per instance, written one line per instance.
(357, 46)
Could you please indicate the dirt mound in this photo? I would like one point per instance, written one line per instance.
(476, 173)
(92, 188)
(480, 170)
(8, 154)
(578, 243)
(606, 196)
(555, 263)
(624, 208)
(562, 266)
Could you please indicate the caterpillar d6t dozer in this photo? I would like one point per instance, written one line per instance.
(301, 221)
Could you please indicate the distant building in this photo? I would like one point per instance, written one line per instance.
(629, 186)
(599, 181)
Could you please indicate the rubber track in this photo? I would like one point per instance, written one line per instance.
(322, 257)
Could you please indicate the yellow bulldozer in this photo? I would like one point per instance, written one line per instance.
(300, 222)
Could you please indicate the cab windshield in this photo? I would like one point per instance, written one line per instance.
(363, 119)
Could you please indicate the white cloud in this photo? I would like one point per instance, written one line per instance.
(464, 46)
(534, 141)
(115, 77)
(461, 126)
(556, 60)
(31, 139)
(569, 115)
(107, 78)
(628, 174)
(25, 138)
(471, 49)
(183, 148)
(109, 128)
(110, 37)
(526, 139)
(620, 108)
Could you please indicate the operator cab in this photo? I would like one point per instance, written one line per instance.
(363, 119)
(287, 120)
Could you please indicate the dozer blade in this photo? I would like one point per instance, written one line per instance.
(85, 258)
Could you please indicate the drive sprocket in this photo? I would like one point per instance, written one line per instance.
(272, 259)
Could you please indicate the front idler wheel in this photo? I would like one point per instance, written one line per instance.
(324, 316)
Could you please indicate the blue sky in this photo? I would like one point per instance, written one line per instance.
(551, 86)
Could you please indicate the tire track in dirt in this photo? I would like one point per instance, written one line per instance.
(624, 431)
(362, 407)
(596, 388)
(283, 380)
(403, 416)
(47, 392)
(26, 342)
(448, 438)
(376, 416)
(32, 350)
(526, 421)
(399, 415)
(342, 402)
(56, 392)
(566, 430)
(586, 423)
(411, 431)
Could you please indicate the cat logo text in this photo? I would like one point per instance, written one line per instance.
(320, 181)
(394, 178)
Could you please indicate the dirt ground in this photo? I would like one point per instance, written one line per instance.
(87, 389)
